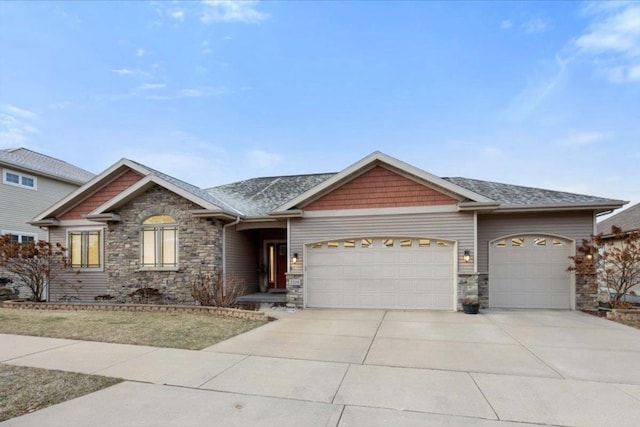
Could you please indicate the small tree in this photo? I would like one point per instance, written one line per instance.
(33, 264)
(615, 263)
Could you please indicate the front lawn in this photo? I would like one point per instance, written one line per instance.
(175, 330)
(25, 390)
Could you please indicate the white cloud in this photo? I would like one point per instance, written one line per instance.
(130, 72)
(261, 159)
(177, 14)
(538, 90)
(152, 86)
(141, 52)
(612, 39)
(199, 92)
(506, 24)
(535, 25)
(205, 47)
(231, 11)
(16, 128)
(123, 71)
(582, 138)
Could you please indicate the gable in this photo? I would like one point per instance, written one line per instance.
(380, 188)
(103, 195)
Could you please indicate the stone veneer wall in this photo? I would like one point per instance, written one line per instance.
(586, 292)
(467, 289)
(199, 248)
(295, 289)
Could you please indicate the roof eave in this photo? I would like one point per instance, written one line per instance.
(213, 213)
(561, 207)
(291, 213)
(49, 222)
(106, 217)
(477, 206)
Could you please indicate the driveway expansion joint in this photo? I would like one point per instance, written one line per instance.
(373, 339)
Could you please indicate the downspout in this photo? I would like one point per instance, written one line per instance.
(224, 254)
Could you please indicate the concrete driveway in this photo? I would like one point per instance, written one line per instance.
(362, 368)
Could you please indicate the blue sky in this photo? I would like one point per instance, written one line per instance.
(544, 94)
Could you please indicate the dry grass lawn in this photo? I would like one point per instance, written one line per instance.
(632, 323)
(25, 390)
(175, 330)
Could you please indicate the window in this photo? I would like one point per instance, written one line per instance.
(387, 243)
(332, 244)
(423, 243)
(518, 241)
(405, 243)
(349, 243)
(19, 179)
(316, 245)
(84, 249)
(501, 244)
(366, 243)
(20, 237)
(557, 243)
(540, 241)
(159, 242)
(442, 244)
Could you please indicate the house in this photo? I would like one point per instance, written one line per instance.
(628, 220)
(379, 234)
(32, 182)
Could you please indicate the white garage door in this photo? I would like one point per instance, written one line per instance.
(401, 273)
(529, 271)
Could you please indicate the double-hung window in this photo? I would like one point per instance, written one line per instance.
(159, 242)
(84, 249)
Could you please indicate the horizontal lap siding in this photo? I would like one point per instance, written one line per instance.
(242, 258)
(447, 226)
(90, 283)
(574, 225)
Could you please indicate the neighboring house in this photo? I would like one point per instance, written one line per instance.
(32, 182)
(379, 234)
(628, 220)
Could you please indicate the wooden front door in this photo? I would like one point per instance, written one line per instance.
(277, 265)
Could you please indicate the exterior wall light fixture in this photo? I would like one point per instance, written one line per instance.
(467, 255)
(294, 259)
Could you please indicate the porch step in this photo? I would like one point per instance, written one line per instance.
(264, 297)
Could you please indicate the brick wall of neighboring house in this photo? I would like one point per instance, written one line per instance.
(199, 240)
(380, 188)
(103, 195)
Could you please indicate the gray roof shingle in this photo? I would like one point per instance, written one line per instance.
(627, 220)
(259, 196)
(196, 191)
(37, 163)
(517, 195)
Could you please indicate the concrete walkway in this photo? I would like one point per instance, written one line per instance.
(360, 368)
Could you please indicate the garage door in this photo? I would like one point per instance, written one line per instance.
(529, 271)
(369, 272)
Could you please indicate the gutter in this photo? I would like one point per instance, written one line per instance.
(224, 254)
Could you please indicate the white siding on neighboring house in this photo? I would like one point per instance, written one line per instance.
(19, 205)
(242, 257)
(452, 226)
(88, 284)
(574, 225)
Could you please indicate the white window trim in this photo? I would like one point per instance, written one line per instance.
(20, 234)
(79, 230)
(20, 176)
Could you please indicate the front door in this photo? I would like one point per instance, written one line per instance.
(277, 265)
